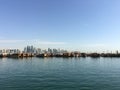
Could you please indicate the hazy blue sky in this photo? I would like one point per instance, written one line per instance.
(72, 24)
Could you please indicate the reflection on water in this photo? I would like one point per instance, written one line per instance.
(60, 74)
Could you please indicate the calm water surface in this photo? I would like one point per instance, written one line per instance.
(60, 74)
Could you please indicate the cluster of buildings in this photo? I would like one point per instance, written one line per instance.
(31, 51)
(9, 51)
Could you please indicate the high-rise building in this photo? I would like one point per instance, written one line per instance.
(38, 51)
(50, 50)
(29, 49)
(117, 52)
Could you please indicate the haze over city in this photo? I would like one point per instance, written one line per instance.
(86, 25)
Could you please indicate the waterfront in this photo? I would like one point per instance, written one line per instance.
(31, 51)
(60, 74)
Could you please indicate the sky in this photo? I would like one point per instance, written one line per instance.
(86, 25)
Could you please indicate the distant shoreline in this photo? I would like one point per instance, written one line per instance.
(63, 55)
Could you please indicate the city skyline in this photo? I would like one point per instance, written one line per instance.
(34, 49)
(31, 51)
(85, 25)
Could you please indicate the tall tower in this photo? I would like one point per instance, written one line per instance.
(117, 52)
